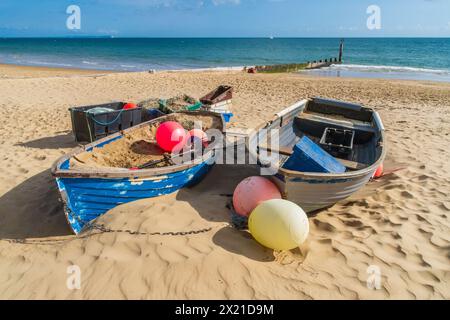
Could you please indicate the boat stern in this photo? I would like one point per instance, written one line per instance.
(75, 224)
(313, 194)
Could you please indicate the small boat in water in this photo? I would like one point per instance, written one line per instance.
(128, 166)
(351, 133)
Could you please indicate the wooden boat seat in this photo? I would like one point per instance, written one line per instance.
(351, 165)
(356, 125)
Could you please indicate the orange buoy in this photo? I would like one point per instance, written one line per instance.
(379, 173)
(251, 192)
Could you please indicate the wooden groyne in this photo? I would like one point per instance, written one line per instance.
(294, 67)
(322, 63)
(327, 62)
(279, 68)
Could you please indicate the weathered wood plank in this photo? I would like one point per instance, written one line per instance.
(286, 151)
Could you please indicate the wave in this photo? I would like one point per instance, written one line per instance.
(199, 69)
(44, 63)
(90, 62)
(386, 69)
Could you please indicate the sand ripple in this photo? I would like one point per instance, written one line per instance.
(401, 224)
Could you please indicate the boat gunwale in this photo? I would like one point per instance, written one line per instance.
(326, 176)
(109, 172)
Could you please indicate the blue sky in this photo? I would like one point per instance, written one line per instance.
(226, 18)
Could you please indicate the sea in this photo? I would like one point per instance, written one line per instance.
(396, 58)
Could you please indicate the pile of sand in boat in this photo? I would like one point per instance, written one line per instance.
(138, 147)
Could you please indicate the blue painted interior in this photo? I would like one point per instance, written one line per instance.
(65, 165)
(107, 142)
(310, 157)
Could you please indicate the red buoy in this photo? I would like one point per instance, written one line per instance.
(169, 135)
(251, 192)
(129, 106)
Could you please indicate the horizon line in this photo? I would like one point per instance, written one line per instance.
(223, 37)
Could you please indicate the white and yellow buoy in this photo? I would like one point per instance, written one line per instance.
(279, 224)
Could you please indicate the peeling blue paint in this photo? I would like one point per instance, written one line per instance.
(88, 198)
(318, 181)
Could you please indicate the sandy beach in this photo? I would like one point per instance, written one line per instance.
(400, 224)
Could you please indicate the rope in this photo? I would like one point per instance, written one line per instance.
(103, 229)
(162, 102)
(92, 116)
(89, 129)
(238, 222)
(194, 107)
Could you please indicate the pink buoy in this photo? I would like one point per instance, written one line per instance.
(198, 134)
(251, 192)
(379, 173)
(170, 135)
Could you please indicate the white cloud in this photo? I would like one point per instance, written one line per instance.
(170, 3)
(220, 2)
(142, 3)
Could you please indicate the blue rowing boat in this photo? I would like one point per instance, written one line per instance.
(89, 192)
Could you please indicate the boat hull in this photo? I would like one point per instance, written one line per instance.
(315, 194)
(311, 190)
(86, 199)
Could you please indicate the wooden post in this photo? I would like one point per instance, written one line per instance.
(341, 50)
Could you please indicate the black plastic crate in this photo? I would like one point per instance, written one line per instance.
(338, 142)
(89, 127)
